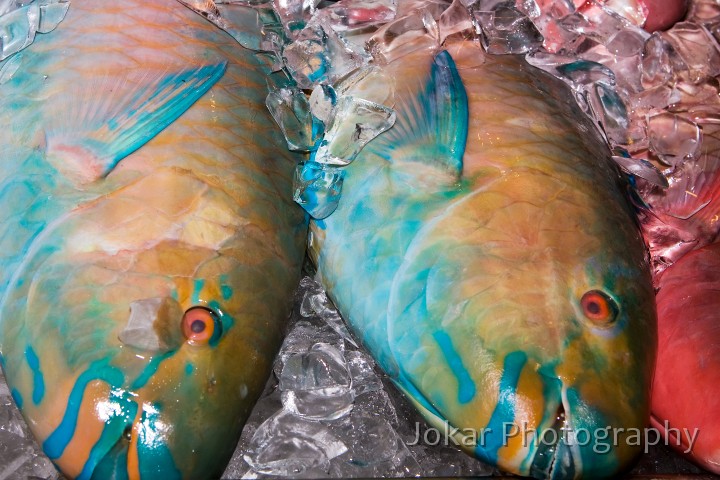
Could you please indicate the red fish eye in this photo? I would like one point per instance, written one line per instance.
(198, 325)
(598, 307)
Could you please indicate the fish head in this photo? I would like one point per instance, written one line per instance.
(536, 343)
(142, 331)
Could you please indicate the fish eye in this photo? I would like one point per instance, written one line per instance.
(200, 325)
(599, 308)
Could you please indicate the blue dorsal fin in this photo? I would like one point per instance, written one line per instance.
(432, 126)
(107, 119)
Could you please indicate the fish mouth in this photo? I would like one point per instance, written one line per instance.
(553, 458)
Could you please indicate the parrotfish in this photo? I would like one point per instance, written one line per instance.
(485, 251)
(150, 246)
(685, 397)
(682, 230)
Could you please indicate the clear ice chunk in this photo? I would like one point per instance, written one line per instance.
(316, 384)
(586, 73)
(673, 138)
(369, 83)
(320, 55)
(356, 122)
(317, 188)
(322, 102)
(455, 19)
(704, 12)
(287, 445)
(506, 30)
(632, 10)
(371, 440)
(18, 28)
(416, 31)
(697, 48)
(8, 67)
(364, 379)
(51, 14)
(595, 20)
(349, 15)
(643, 169)
(316, 303)
(628, 42)
(610, 111)
(242, 22)
(656, 66)
(295, 14)
(291, 110)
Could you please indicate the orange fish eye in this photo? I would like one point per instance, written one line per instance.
(598, 307)
(199, 325)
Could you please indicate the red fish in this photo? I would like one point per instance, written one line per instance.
(683, 236)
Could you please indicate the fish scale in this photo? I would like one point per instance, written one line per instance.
(466, 283)
(152, 179)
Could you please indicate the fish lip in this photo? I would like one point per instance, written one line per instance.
(554, 459)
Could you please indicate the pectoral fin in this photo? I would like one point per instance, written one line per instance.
(102, 122)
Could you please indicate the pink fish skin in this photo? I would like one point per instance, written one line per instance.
(686, 387)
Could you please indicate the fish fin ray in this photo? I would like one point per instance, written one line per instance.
(431, 126)
(112, 117)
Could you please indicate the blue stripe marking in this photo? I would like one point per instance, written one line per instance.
(153, 454)
(150, 369)
(504, 413)
(55, 444)
(38, 381)
(17, 396)
(112, 432)
(466, 386)
(197, 288)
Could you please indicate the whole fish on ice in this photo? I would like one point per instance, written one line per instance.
(682, 230)
(149, 244)
(485, 252)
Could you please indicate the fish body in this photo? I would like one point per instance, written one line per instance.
(484, 252)
(150, 244)
(685, 399)
(681, 229)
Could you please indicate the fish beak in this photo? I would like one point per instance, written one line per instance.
(554, 458)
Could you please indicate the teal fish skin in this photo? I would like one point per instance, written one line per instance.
(502, 283)
(142, 176)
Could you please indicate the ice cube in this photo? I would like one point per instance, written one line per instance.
(322, 102)
(291, 110)
(52, 12)
(320, 55)
(704, 12)
(634, 11)
(697, 48)
(673, 138)
(316, 384)
(595, 20)
(348, 15)
(364, 379)
(415, 31)
(506, 30)
(287, 445)
(609, 110)
(317, 188)
(18, 28)
(455, 19)
(656, 66)
(356, 122)
(8, 67)
(294, 14)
